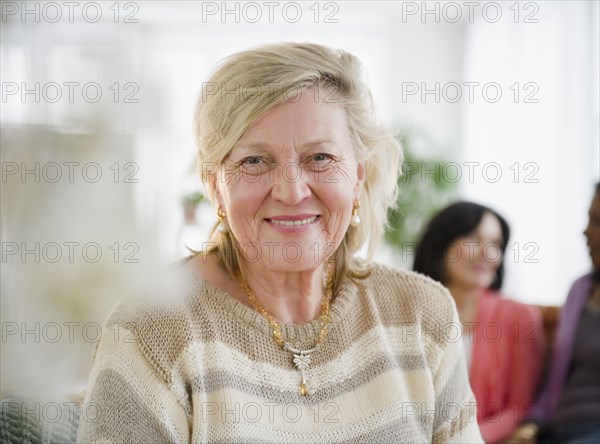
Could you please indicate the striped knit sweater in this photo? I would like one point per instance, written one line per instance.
(203, 367)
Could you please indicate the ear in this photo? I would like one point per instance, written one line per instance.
(216, 193)
(360, 178)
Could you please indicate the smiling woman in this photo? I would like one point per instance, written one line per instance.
(278, 334)
(286, 183)
(463, 248)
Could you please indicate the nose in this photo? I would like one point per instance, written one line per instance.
(481, 251)
(290, 185)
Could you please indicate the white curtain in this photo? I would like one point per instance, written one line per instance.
(541, 135)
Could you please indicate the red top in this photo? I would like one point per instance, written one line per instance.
(508, 352)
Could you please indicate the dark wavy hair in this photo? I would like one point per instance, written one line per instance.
(454, 221)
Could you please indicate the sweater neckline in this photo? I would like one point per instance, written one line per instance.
(304, 334)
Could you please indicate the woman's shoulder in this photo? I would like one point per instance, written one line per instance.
(585, 280)
(162, 317)
(497, 304)
(164, 293)
(406, 289)
(384, 275)
(580, 289)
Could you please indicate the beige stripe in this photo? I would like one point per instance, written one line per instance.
(368, 408)
(218, 358)
(381, 416)
(123, 396)
(163, 334)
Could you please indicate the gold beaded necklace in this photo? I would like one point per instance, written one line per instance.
(301, 358)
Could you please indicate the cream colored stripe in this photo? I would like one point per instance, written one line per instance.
(394, 341)
(370, 407)
(218, 357)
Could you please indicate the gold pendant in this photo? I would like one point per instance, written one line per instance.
(303, 390)
(302, 362)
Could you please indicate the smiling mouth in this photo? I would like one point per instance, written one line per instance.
(293, 223)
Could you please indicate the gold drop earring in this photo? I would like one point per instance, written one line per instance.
(355, 219)
(222, 228)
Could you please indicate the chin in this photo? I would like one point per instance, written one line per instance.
(294, 258)
(485, 284)
(283, 266)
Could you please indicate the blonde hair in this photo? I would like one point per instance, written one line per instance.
(247, 85)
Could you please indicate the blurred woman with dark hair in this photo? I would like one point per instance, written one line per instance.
(463, 248)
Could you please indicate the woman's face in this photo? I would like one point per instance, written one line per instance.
(592, 231)
(471, 261)
(288, 186)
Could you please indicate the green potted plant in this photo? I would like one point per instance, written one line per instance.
(425, 187)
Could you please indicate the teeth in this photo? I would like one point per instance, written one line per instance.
(293, 223)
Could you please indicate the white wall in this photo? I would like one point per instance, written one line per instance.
(547, 150)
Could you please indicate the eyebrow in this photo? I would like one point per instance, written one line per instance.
(318, 143)
(259, 145)
(252, 145)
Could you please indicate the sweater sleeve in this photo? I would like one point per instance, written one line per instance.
(562, 349)
(128, 400)
(456, 408)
